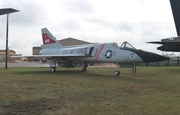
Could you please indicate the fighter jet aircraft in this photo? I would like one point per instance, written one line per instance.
(81, 55)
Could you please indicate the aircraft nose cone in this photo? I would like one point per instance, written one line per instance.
(151, 57)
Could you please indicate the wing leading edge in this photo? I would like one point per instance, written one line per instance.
(166, 43)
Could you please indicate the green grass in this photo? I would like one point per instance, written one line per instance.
(151, 91)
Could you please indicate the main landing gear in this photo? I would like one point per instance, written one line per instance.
(55, 64)
(84, 67)
(117, 72)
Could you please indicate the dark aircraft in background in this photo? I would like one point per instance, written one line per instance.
(172, 43)
(169, 44)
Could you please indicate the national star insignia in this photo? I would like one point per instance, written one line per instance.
(108, 54)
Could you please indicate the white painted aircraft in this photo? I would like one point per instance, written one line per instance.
(81, 55)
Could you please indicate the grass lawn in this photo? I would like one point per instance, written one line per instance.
(30, 91)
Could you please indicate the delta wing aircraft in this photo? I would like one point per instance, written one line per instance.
(81, 55)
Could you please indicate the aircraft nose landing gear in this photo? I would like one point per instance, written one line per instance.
(53, 69)
(117, 72)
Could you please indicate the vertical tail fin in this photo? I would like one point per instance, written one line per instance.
(49, 41)
(176, 14)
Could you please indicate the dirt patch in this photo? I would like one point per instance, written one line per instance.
(36, 107)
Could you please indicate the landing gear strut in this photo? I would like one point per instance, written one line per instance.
(53, 65)
(117, 72)
(84, 68)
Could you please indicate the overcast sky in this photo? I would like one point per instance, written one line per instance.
(97, 21)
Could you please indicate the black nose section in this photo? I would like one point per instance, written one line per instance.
(150, 57)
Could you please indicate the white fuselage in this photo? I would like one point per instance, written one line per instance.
(107, 52)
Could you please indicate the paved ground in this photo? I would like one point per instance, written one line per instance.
(25, 64)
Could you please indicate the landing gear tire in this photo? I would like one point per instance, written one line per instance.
(84, 68)
(62, 64)
(116, 73)
(43, 61)
(78, 64)
(53, 69)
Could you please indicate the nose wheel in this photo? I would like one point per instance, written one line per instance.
(53, 69)
(117, 72)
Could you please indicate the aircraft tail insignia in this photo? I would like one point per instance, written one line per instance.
(49, 41)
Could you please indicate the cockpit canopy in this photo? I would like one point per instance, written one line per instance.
(127, 45)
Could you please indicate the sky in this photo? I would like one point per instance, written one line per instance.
(96, 21)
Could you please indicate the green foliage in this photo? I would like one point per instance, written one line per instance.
(151, 91)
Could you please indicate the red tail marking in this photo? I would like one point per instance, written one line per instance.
(47, 39)
(99, 52)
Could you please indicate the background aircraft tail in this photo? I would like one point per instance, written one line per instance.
(49, 41)
(175, 10)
